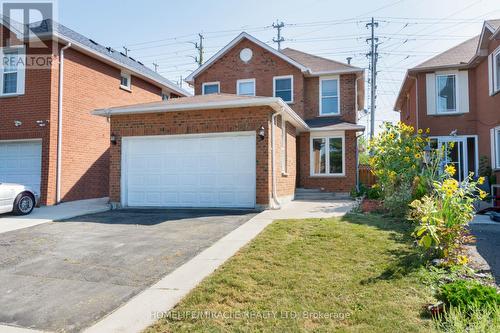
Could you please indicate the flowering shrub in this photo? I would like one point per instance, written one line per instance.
(443, 215)
(396, 161)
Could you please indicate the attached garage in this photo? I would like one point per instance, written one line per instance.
(21, 162)
(204, 170)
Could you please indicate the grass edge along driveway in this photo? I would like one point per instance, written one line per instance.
(356, 273)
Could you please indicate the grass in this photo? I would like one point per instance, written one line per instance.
(478, 320)
(355, 274)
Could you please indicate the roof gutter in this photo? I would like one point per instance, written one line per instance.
(60, 122)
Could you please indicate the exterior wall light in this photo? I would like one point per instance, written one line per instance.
(113, 138)
(262, 133)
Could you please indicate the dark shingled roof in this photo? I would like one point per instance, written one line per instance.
(322, 122)
(49, 26)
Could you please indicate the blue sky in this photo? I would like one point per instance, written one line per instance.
(160, 31)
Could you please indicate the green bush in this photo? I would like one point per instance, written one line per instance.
(465, 295)
(473, 320)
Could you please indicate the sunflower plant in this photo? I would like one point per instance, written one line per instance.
(396, 160)
(442, 215)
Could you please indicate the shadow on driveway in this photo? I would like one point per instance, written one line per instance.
(488, 245)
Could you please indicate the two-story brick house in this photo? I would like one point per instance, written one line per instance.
(274, 119)
(455, 95)
(48, 138)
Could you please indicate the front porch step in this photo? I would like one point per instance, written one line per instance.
(317, 194)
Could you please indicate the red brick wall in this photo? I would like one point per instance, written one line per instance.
(285, 183)
(90, 84)
(203, 121)
(330, 184)
(263, 67)
(347, 98)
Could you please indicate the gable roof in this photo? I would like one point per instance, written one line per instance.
(457, 56)
(52, 29)
(306, 63)
(317, 64)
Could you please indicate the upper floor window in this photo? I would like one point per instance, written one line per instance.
(329, 96)
(496, 70)
(164, 96)
(245, 87)
(283, 87)
(210, 88)
(446, 86)
(12, 71)
(126, 81)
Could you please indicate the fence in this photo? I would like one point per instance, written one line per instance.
(366, 177)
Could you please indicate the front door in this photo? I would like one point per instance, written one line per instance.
(457, 148)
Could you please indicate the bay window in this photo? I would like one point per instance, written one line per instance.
(12, 71)
(329, 97)
(327, 156)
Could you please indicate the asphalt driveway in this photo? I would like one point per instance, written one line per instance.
(488, 245)
(64, 276)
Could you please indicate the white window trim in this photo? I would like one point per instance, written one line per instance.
(495, 142)
(129, 80)
(327, 161)
(284, 147)
(210, 84)
(283, 77)
(326, 78)
(495, 73)
(457, 97)
(245, 81)
(21, 71)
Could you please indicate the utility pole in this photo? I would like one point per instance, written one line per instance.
(199, 47)
(126, 50)
(373, 55)
(156, 66)
(180, 81)
(279, 39)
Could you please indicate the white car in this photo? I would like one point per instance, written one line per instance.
(17, 198)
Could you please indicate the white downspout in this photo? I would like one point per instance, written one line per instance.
(275, 204)
(59, 122)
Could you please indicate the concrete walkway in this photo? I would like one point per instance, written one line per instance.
(53, 213)
(143, 310)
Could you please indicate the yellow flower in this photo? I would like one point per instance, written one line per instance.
(407, 159)
(391, 136)
(480, 181)
(449, 193)
(417, 155)
(450, 169)
(462, 260)
(420, 131)
(413, 166)
(407, 149)
(428, 130)
(482, 194)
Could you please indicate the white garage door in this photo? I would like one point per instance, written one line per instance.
(21, 162)
(189, 170)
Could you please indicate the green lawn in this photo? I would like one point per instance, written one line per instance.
(357, 273)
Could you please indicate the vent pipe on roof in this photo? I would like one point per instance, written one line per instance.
(348, 60)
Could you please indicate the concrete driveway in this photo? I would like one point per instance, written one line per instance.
(64, 276)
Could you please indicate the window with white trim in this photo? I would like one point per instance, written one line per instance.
(446, 93)
(496, 70)
(329, 97)
(245, 87)
(495, 144)
(12, 71)
(208, 88)
(327, 156)
(126, 81)
(283, 87)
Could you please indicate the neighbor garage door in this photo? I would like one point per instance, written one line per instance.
(21, 162)
(189, 170)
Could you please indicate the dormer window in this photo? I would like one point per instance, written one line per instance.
(126, 81)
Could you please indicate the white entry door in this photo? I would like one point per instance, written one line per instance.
(21, 163)
(457, 148)
(213, 170)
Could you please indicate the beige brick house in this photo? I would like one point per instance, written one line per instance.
(262, 122)
(49, 107)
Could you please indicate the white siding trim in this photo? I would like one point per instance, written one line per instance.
(490, 75)
(463, 92)
(430, 84)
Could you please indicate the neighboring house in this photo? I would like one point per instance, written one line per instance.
(93, 76)
(456, 95)
(256, 110)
